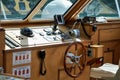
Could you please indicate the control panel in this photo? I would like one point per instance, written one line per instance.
(6, 77)
(33, 36)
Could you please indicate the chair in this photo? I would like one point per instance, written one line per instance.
(107, 71)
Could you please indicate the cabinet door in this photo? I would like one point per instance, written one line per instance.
(63, 76)
(109, 34)
(53, 60)
(108, 57)
(85, 75)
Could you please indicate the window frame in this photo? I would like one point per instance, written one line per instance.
(69, 16)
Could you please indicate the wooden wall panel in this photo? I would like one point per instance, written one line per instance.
(108, 57)
(108, 34)
(2, 45)
(53, 61)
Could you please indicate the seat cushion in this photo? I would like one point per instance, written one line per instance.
(119, 62)
(109, 67)
(99, 73)
(106, 70)
(117, 76)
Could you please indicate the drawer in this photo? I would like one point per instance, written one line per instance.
(109, 34)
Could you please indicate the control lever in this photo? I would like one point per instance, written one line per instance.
(58, 20)
(41, 55)
(89, 51)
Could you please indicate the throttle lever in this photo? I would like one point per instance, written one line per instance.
(41, 55)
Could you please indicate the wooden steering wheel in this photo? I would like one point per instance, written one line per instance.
(74, 59)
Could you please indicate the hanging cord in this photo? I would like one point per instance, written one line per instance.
(73, 32)
(74, 24)
(42, 67)
(41, 55)
(81, 25)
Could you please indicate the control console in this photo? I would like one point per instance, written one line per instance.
(42, 35)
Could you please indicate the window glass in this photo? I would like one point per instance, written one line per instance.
(16, 9)
(102, 8)
(19, 9)
(53, 7)
(119, 3)
(22, 5)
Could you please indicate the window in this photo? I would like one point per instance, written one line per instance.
(22, 5)
(19, 9)
(102, 8)
(11, 9)
(53, 7)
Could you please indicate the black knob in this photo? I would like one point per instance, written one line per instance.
(94, 28)
(41, 54)
(89, 51)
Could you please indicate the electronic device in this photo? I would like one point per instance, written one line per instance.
(27, 32)
(58, 20)
(89, 19)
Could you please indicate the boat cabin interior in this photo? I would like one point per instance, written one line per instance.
(59, 39)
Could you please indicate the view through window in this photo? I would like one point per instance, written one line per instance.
(102, 8)
(54, 7)
(18, 9)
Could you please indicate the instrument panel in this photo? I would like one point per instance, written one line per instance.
(14, 38)
(6, 77)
